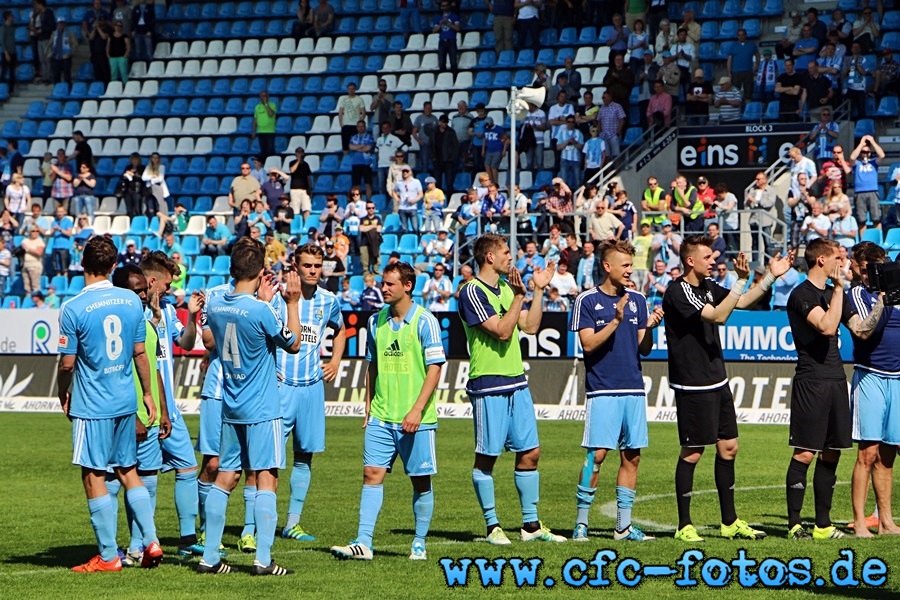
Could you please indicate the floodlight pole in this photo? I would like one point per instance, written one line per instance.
(513, 159)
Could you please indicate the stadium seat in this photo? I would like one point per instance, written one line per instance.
(871, 234)
(753, 111)
(888, 107)
(864, 127)
(728, 30)
(773, 8)
(712, 9)
(892, 241)
(391, 224)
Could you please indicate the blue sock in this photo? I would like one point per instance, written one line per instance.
(186, 502)
(624, 502)
(584, 497)
(249, 511)
(369, 506)
(137, 539)
(528, 484)
(484, 490)
(139, 500)
(104, 525)
(423, 508)
(203, 488)
(112, 488)
(300, 476)
(216, 505)
(266, 519)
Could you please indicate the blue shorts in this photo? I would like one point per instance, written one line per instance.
(101, 443)
(875, 407)
(149, 452)
(258, 446)
(210, 435)
(504, 421)
(303, 413)
(613, 422)
(178, 453)
(382, 445)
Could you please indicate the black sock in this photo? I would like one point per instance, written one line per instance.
(724, 472)
(490, 528)
(684, 486)
(531, 526)
(188, 540)
(824, 478)
(795, 484)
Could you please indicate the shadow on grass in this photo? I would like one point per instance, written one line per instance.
(454, 536)
(57, 556)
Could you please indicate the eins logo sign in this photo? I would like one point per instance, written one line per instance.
(710, 155)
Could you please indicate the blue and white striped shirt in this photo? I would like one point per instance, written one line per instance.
(321, 311)
(212, 383)
(169, 330)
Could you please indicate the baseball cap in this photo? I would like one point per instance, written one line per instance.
(329, 244)
(489, 121)
(666, 222)
(130, 243)
(405, 169)
(796, 13)
(724, 80)
(179, 292)
(37, 294)
(702, 180)
(646, 222)
(767, 51)
(667, 54)
(443, 230)
(430, 180)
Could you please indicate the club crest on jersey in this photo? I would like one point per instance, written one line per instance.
(709, 296)
(632, 306)
(319, 314)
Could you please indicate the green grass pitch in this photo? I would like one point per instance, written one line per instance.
(46, 528)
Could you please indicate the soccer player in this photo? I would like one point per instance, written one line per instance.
(178, 452)
(247, 330)
(695, 306)
(875, 388)
(405, 355)
(101, 330)
(820, 406)
(149, 433)
(612, 324)
(492, 315)
(210, 434)
(876, 377)
(301, 377)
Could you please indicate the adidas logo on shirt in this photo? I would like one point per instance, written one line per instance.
(394, 350)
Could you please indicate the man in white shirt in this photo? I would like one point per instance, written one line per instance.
(386, 145)
(603, 225)
(557, 118)
(815, 225)
(407, 194)
(438, 290)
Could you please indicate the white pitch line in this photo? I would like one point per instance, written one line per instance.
(609, 508)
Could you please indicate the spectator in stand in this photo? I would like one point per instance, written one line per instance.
(658, 281)
(816, 225)
(528, 24)
(17, 197)
(332, 269)
(438, 290)
(262, 126)
(322, 22)
(5, 264)
(131, 256)
(351, 110)
(401, 125)
(83, 188)
(423, 131)
(553, 246)
(62, 175)
(572, 253)
(766, 76)
(742, 62)
(276, 252)
(62, 47)
(122, 12)
(557, 115)
(283, 216)
(273, 189)
(824, 133)
(95, 28)
(589, 270)
(664, 39)
(370, 228)
(785, 46)
(866, 31)
(699, 97)
(439, 250)
(371, 298)
(604, 225)
(387, 145)
(817, 27)
(761, 198)
(467, 275)
(782, 288)
(9, 228)
(667, 245)
(301, 184)
(495, 210)
(40, 28)
(407, 194)
(887, 82)
(476, 134)
(594, 151)
(805, 49)
(645, 77)
(619, 81)
(726, 205)
(530, 260)
(685, 52)
(832, 67)
(257, 169)
(170, 247)
(686, 205)
(381, 106)
(332, 215)
(15, 162)
(154, 177)
(118, 49)
(801, 164)
(447, 25)
(143, 19)
(467, 217)
(33, 260)
(214, 239)
(638, 44)
(446, 154)
(617, 38)
(349, 297)
(865, 178)
(659, 108)
(840, 26)
(354, 212)
(244, 187)
(707, 196)
(395, 175)
(844, 229)
(728, 101)
(612, 120)
(723, 277)
(856, 71)
(586, 115)
(61, 234)
(560, 205)
(569, 144)
(564, 281)
(460, 122)
(718, 242)
(433, 216)
(503, 11)
(301, 26)
(361, 146)
(241, 223)
(496, 144)
(670, 75)
(178, 280)
(410, 17)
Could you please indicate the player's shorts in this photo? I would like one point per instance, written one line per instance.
(504, 421)
(101, 443)
(258, 446)
(705, 417)
(303, 413)
(382, 446)
(618, 421)
(149, 452)
(868, 205)
(178, 453)
(820, 415)
(210, 435)
(875, 406)
(492, 160)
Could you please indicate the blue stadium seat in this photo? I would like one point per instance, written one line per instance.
(771, 113)
(728, 30)
(891, 39)
(210, 185)
(396, 43)
(522, 78)
(892, 241)
(203, 204)
(888, 107)
(709, 30)
(190, 185)
(374, 63)
(391, 224)
(191, 245)
(240, 86)
(545, 55)
(390, 242)
(713, 10)
(179, 106)
(215, 106)
(332, 85)
(864, 127)
(167, 87)
(632, 134)
(244, 9)
(138, 226)
(506, 59)
(142, 108)
(483, 79)
(227, 10)
(197, 166)
(337, 64)
(365, 24)
(105, 167)
(35, 110)
(209, 11)
(215, 280)
(409, 244)
(487, 60)
(323, 184)
(347, 25)
(752, 8)
(752, 112)
(871, 234)
(587, 36)
(753, 27)
(502, 79)
(342, 184)
(891, 21)
(257, 28)
(773, 8)
(197, 107)
(302, 124)
(204, 87)
(707, 51)
(30, 130)
(549, 37)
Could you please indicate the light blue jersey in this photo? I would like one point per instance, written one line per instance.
(321, 311)
(169, 330)
(247, 332)
(212, 383)
(100, 327)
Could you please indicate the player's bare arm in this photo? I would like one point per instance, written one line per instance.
(502, 328)
(718, 315)
(189, 335)
(291, 292)
(64, 375)
(778, 266)
(413, 418)
(165, 423)
(530, 320)
(371, 376)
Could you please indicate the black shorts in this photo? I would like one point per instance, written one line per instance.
(361, 174)
(705, 417)
(820, 415)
